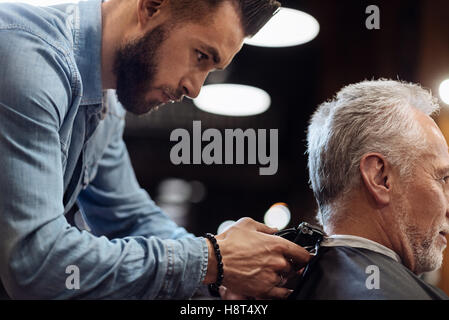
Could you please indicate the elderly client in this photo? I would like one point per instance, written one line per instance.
(379, 169)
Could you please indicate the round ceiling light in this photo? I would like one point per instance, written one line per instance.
(233, 100)
(444, 91)
(289, 27)
(225, 226)
(278, 216)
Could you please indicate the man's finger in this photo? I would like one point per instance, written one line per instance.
(300, 272)
(264, 228)
(257, 226)
(226, 294)
(285, 266)
(278, 293)
(296, 254)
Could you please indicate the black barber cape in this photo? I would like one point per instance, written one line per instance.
(346, 273)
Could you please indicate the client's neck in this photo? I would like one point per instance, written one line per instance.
(355, 226)
(372, 224)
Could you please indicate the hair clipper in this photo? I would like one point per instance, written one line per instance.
(306, 235)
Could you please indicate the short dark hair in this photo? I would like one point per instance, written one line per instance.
(254, 14)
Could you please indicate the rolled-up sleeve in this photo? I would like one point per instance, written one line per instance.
(37, 245)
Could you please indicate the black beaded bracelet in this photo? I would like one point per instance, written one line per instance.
(220, 276)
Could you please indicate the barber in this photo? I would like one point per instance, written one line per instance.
(68, 75)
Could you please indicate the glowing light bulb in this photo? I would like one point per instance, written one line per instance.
(289, 27)
(232, 100)
(225, 226)
(444, 91)
(278, 216)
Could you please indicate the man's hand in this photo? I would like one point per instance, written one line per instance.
(256, 263)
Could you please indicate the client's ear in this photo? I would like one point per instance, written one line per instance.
(375, 172)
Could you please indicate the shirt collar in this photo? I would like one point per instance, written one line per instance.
(359, 242)
(87, 49)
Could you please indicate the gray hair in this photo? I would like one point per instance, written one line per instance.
(370, 116)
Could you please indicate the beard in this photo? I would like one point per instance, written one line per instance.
(425, 245)
(135, 67)
(427, 252)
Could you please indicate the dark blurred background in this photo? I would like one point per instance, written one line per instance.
(412, 44)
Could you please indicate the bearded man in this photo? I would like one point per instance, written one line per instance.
(68, 75)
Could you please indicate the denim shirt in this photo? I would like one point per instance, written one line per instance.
(61, 144)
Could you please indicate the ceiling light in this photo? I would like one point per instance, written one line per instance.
(278, 216)
(225, 226)
(233, 100)
(289, 27)
(444, 91)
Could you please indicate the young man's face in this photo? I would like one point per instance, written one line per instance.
(170, 62)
